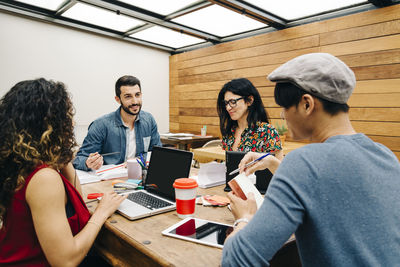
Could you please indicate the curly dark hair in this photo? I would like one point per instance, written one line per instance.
(244, 88)
(36, 127)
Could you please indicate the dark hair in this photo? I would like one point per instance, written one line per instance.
(244, 88)
(36, 127)
(287, 95)
(126, 80)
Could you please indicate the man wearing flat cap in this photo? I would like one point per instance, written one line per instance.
(338, 195)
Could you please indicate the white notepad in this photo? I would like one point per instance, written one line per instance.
(106, 172)
(211, 174)
(241, 186)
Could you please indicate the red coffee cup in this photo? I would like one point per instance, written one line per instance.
(185, 195)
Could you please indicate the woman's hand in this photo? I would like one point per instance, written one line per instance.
(270, 162)
(107, 206)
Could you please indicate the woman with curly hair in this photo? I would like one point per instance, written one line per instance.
(43, 219)
(243, 120)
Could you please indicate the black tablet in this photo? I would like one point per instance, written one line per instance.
(200, 231)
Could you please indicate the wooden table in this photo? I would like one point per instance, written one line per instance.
(185, 143)
(207, 154)
(140, 243)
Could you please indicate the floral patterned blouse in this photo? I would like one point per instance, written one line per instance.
(262, 137)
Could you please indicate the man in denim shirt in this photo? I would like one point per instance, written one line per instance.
(129, 130)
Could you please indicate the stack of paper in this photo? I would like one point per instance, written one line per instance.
(176, 135)
(106, 172)
(180, 136)
(211, 174)
(112, 171)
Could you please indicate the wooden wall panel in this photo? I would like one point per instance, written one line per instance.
(368, 42)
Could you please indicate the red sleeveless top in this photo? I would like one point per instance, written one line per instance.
(19, 245)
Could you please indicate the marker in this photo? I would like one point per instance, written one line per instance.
(249, 164)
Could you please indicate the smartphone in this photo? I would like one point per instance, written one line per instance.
(200, 231)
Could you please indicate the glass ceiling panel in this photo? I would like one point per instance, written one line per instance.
(160, 35)
(163, 7)
(303, 8)
(219, 21)
(101, 17)
(48, 4)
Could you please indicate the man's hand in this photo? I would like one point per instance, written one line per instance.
(94, 161)
(243, 208)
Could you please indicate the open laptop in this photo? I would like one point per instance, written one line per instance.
(166, 165)
(233, 159)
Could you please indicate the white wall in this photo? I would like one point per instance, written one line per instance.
(87, 63)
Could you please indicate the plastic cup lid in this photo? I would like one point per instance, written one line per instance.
(185, 183)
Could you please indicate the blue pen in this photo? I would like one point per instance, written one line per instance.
(140, 163)
(250, 163)
(142, 159)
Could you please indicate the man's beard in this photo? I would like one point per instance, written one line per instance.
(126, 109)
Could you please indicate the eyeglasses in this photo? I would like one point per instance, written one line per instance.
(232, 102)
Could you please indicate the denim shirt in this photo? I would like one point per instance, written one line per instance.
(108, 134)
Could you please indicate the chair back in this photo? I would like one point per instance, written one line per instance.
(213, 143)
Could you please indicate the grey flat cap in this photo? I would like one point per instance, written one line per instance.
(320, 74)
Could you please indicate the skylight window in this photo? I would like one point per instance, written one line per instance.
(166, 37)
(163, 7)
(299, 9)
(48, 4)
(219, 21)
(101, 17)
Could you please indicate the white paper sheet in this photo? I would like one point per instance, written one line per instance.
(106, 172)
(211, 174)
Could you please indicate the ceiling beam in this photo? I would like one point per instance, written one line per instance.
(41, 14)
(383, 3)
(189, 9)
(253, 12)
(152, 18)
(65, 6)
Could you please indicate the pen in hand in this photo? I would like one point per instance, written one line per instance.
(111, 153)
(105, 154)
(250, 163)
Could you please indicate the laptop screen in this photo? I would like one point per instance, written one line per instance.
(166, 165)
(233, 159)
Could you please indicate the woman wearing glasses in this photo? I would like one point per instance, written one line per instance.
(244, 122)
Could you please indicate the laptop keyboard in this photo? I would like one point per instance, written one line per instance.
(148, 201)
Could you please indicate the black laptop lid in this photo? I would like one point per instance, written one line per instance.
(233, 159)
(166, 165)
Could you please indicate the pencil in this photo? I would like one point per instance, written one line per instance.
(105, 154)
(111, 153)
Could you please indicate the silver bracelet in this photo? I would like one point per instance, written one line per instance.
(239, 221)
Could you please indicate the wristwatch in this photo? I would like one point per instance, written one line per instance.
(239, 221)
